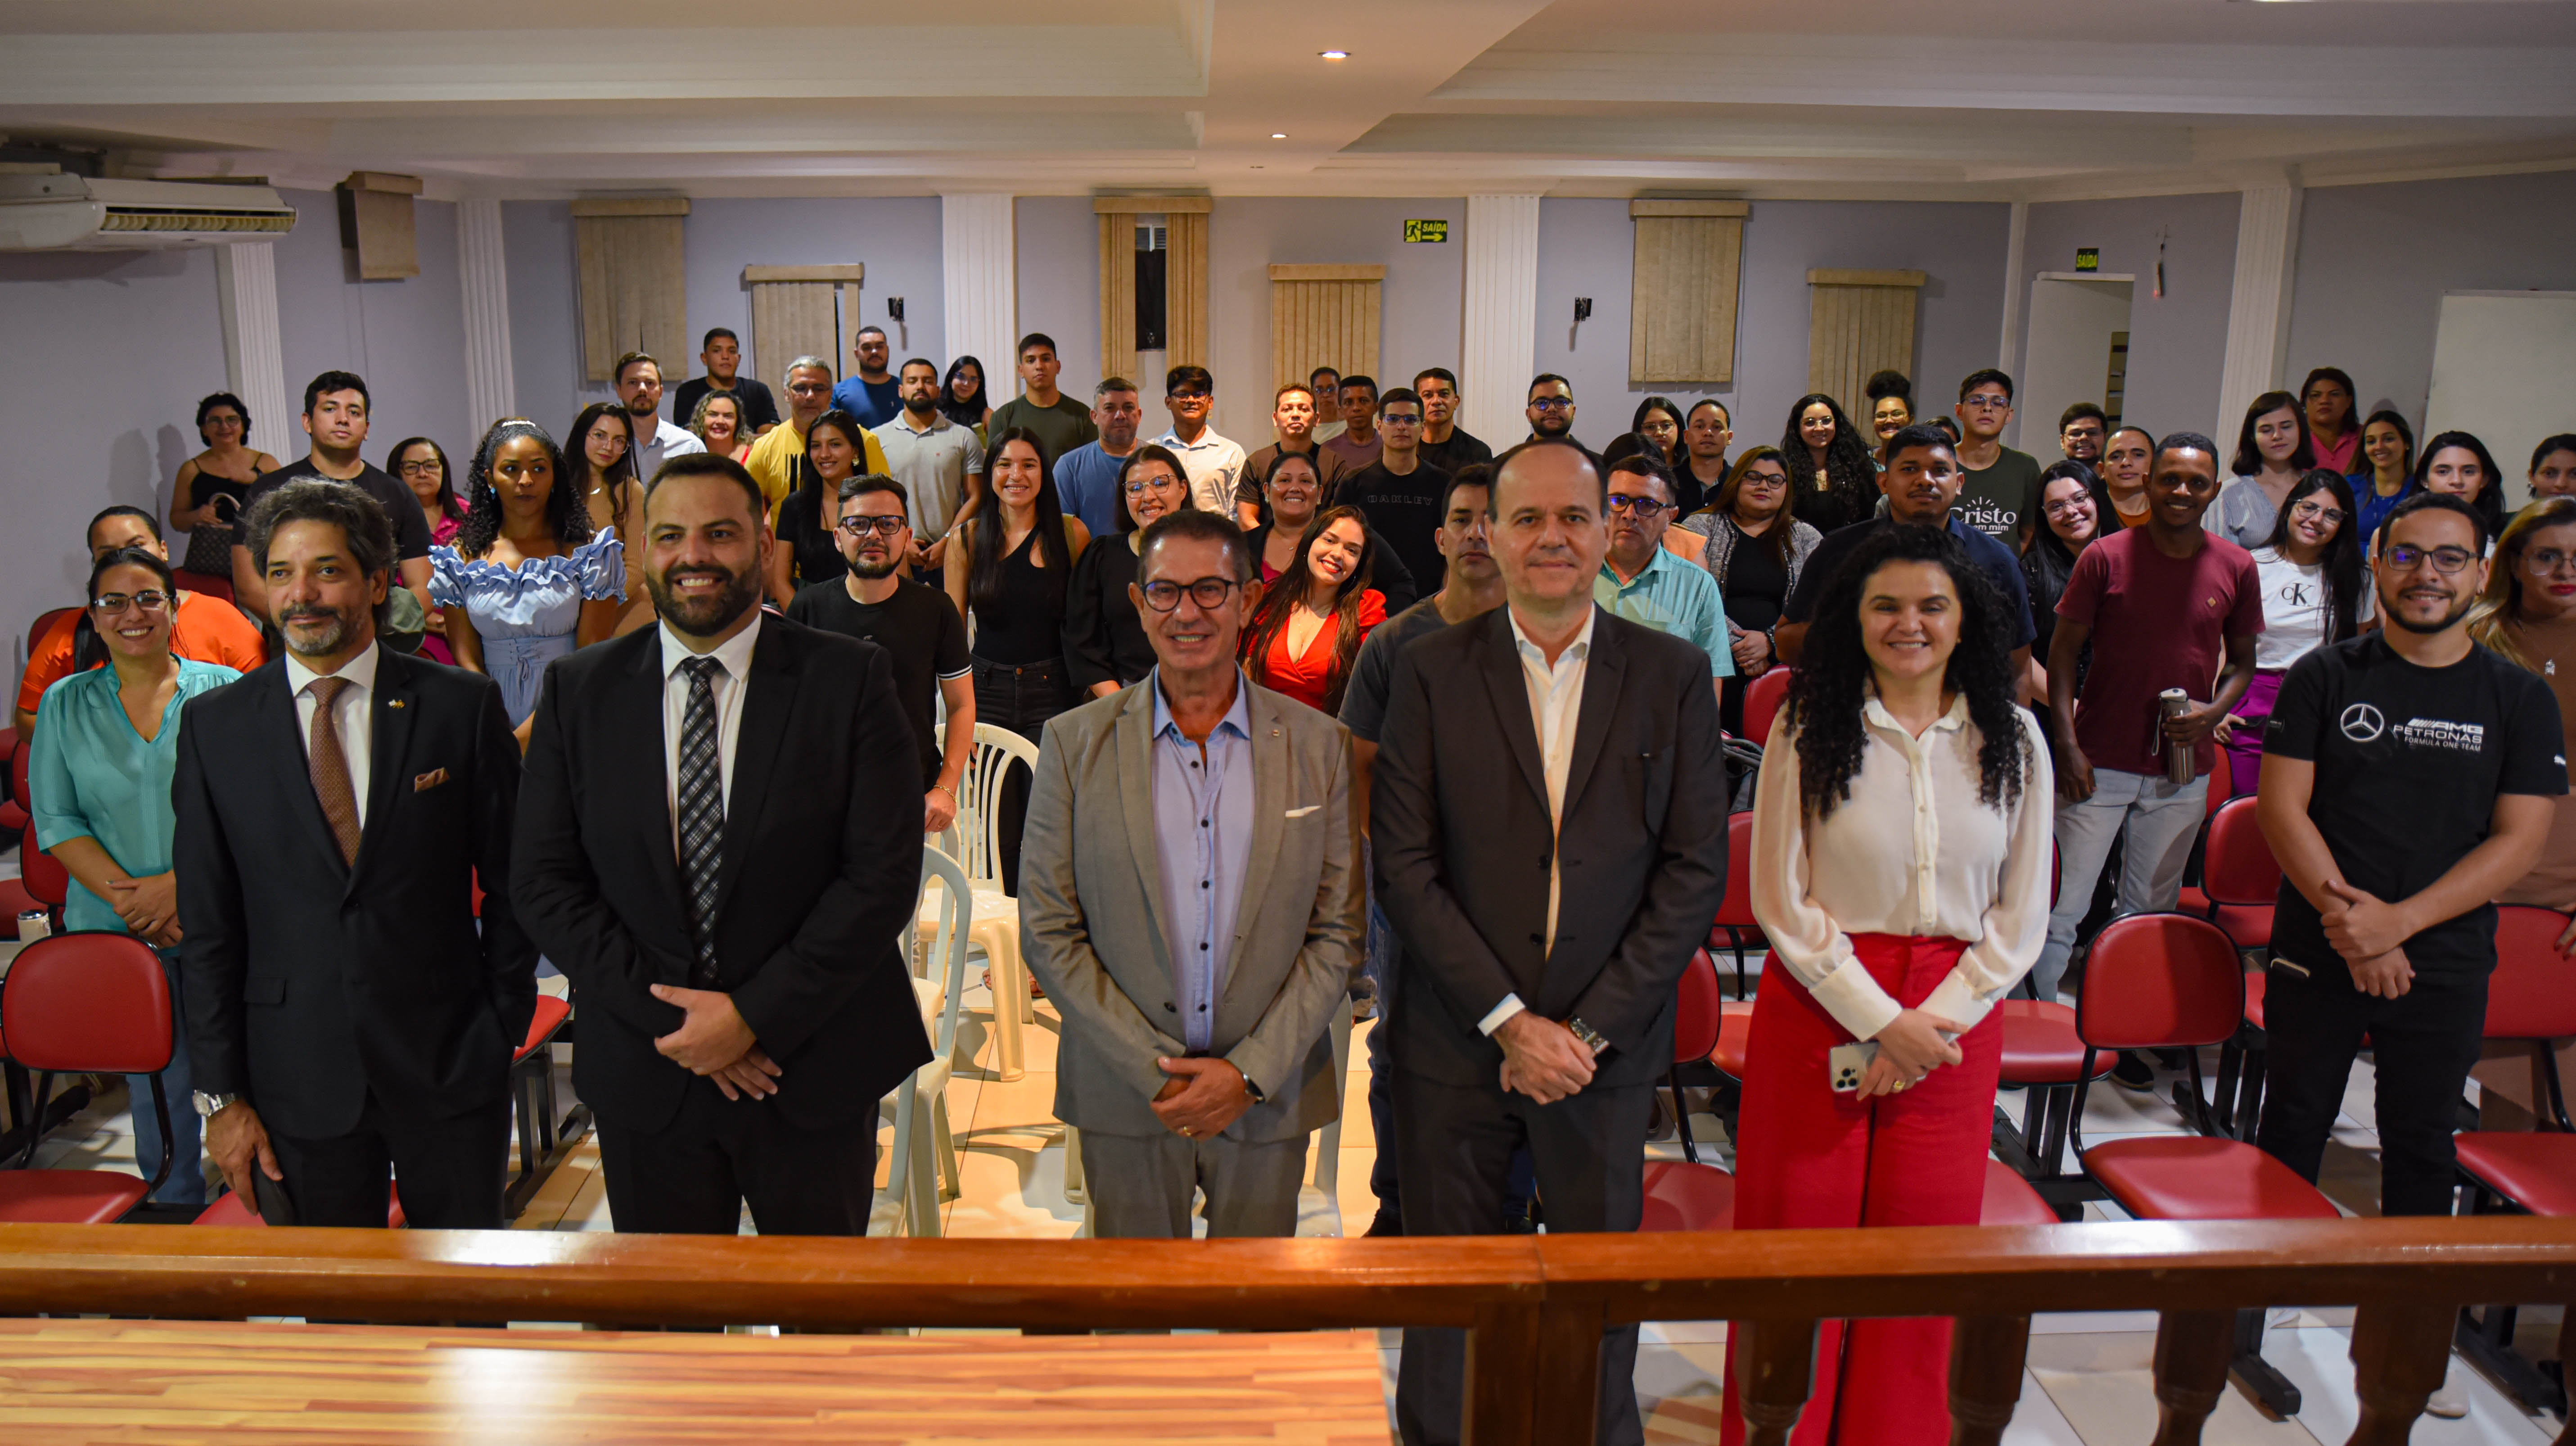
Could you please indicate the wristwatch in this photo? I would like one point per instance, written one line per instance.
(209, 1106)
(1253, 1090)
(1593, 1039)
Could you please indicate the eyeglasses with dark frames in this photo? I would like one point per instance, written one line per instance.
(1207, 592)
(881, 526)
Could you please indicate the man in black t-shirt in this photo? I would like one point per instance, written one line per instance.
(335, 417)
(1401, 495)
(917, 624)
(721, 355)
(1445, 444)
(2408, 778)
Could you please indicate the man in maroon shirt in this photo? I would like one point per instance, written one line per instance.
(2166, 605)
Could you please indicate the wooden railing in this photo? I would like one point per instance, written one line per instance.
(1535, 1304)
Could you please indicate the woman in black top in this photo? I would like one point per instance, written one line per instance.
(1756, 550)
(1020, 551)
(1104, 643)
(1831, 477)
(2072, 504)
(808, 551)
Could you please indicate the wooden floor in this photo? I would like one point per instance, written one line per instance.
(169, 1383)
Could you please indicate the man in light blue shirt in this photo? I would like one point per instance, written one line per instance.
(1644, 583)
(1086, 478)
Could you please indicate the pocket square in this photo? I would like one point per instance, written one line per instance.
(422, 783)
(1302, 812)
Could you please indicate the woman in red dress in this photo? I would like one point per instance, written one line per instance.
(1311, 622)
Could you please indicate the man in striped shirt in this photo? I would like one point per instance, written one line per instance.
(1642, 582)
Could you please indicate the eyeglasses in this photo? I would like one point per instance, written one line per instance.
(881, 526)
(809, 389)
(1140, 488)
(1397, 419)
(109, 604)
(1644, 507)
(2406, 557)
(2547, 559)
(2068, 506)
(1187, 396)
(1985, 401)
(420, 469)
(1207, 592)
(2316, 509)
(1551, 404)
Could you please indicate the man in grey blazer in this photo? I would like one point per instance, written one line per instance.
(1191, 899)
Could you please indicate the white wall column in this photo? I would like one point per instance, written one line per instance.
(979, 269)
(491, 389)
(1498, 347)
(2016, 301)
(254, 354)
(2258, 308)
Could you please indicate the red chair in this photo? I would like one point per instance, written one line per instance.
(46, 880)
(2240, 882)
(2044, 1057)
(44, 622)
(1735, 927)
(1762, 702)
(2531, 999)
(13, 801)
(233, 1212)
(94, 1003)
(2169, 981)
(543, 1139)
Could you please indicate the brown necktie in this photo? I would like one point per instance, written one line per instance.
(331, 769)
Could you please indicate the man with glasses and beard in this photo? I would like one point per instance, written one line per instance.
(917, 624)
(732, 934)
(347, 1019)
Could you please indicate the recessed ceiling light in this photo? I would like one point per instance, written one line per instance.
(1279, 135)
(1334, 54)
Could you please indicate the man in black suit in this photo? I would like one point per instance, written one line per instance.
(732, 937)
(335, 808)
(1549, 815)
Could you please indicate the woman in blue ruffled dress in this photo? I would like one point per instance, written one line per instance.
(525, 580)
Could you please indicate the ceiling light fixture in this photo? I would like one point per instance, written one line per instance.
(1334, 54)
(1279, 135)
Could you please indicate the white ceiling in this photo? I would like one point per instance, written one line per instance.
(2004, 99)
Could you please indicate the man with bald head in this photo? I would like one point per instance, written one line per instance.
(1549, 819)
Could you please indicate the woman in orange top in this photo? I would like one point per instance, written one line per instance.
(1311, 622)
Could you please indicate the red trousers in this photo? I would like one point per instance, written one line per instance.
(1808, 1158)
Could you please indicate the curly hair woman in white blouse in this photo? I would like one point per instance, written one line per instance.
(1900, 868)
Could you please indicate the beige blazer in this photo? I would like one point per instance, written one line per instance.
(1091, 916)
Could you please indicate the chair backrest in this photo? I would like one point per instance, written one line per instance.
(1735, 911)
(47, 881)
(943, 955)
(92, 1002)
(2222, 782)
(980, 815)
(2532, 994)
(1697, 1009)
(23, 750)
(44, 620)
(2160, 981)
(2236, 866)
(1762, 703)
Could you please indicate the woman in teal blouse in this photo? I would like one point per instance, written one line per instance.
(99, 769)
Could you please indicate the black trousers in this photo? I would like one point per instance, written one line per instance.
(2425, 1042)
(1020, 697)
(1457, 1142)
(450, 1170)
(694, 1176)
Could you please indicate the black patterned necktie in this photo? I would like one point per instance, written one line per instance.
(701, 815)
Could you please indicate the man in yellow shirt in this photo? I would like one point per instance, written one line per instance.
(774, 457)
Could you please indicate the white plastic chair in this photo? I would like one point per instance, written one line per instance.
(923, 1169)
(995, 925)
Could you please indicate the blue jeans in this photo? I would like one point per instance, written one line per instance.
(187, 1182)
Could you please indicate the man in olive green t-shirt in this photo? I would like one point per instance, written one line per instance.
(1060, 422)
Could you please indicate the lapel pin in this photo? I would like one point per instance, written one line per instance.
(393, 702)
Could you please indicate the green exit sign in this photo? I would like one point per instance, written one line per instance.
(1426, 230)
(2088, 258)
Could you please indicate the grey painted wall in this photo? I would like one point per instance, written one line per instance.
(2177, 345)
(1586, 249)
(406, 337)
(1419, 322)
(2375, 260)
(545, 314)
(103, 356)
(1056, 246)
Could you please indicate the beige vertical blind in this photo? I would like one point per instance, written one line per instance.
(796, 311)
(1689, 259)
(1858, 322)
(1185, 281)
(1324, 316)
(634, 292)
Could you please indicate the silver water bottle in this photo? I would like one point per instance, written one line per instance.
(2179, 767)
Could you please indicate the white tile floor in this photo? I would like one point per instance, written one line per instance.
(2088, 1380)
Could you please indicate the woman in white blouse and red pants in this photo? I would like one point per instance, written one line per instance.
(1900, 869)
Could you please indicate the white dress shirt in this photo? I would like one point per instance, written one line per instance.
(1912, 852)
(1213, 463)
(351, 716)
(735, 656)
(1556, 705)
(666, 443)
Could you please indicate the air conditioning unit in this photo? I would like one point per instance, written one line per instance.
(56, 212)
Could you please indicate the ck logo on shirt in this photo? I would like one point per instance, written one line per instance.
(2295, 593)
(2362, 723)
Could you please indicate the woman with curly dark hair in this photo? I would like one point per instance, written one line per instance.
(1308, 628)
(1900, 870)
(526, 581)
(1833, 482)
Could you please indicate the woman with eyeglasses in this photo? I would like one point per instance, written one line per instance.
(98, 778)
(1755, 549)
(2315, 591)
(2527, 615)
(2071, 505)
(1105, 647)
(1833, 482)
(421, 465)
(1656, 432)
(836, 446)
(206, 496)
(717, 421)
(2272, 454)
(962, 398)
(527, 579)
(1891, 405)
(1307, 629)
